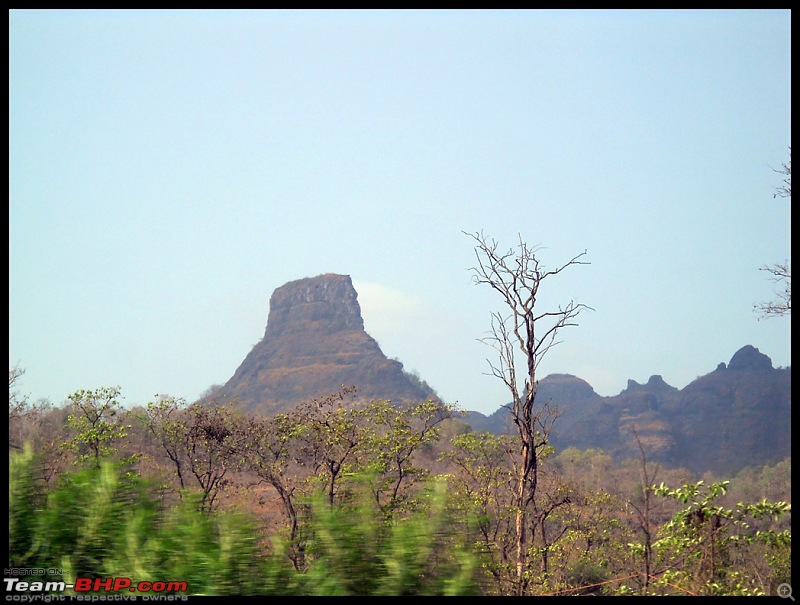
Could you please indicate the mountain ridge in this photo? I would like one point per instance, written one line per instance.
(742, 406)
(315, 344)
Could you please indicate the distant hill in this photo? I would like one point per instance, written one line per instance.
(313, 345)
(738, 415)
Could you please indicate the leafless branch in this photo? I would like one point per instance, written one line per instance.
(785, 190)
(781, 273)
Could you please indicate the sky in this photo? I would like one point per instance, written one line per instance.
(168, 170)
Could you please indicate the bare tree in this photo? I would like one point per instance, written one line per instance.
(201, 440)
(209, 442)
(517, 276)
(163, 419)
(643, 510)
(331, 436)
(39, 424)
(269, 448)
(18, 408)
(781, 273)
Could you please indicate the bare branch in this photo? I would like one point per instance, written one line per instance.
(785, 190)
(781, 274)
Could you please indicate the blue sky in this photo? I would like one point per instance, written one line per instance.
(169, 169)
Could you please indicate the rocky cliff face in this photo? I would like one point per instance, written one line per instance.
(313, 345)
(321, 305)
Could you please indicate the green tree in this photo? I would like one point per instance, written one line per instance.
(592, 555)
(164, 421)
(95, 416)
(697, 550)
(482, 485)
(389, 449)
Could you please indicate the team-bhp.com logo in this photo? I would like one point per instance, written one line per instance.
(94, 589)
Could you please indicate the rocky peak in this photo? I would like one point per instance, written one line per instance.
(566, 387)
(657, 382)
(314, 344)
(655, 385)
(327, 303)
(749, 358)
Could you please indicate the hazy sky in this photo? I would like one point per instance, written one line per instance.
(169, 169)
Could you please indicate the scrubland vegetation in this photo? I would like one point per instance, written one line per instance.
(331, 499)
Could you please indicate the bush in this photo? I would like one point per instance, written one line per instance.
(354, 551)
(101, 522)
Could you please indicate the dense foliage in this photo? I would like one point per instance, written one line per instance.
(335, 499)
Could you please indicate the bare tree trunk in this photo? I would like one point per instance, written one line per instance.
(643, 513)
(521, 526)
(516, 276)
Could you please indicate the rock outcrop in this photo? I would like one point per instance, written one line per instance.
(315, 344)
(749, 358)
